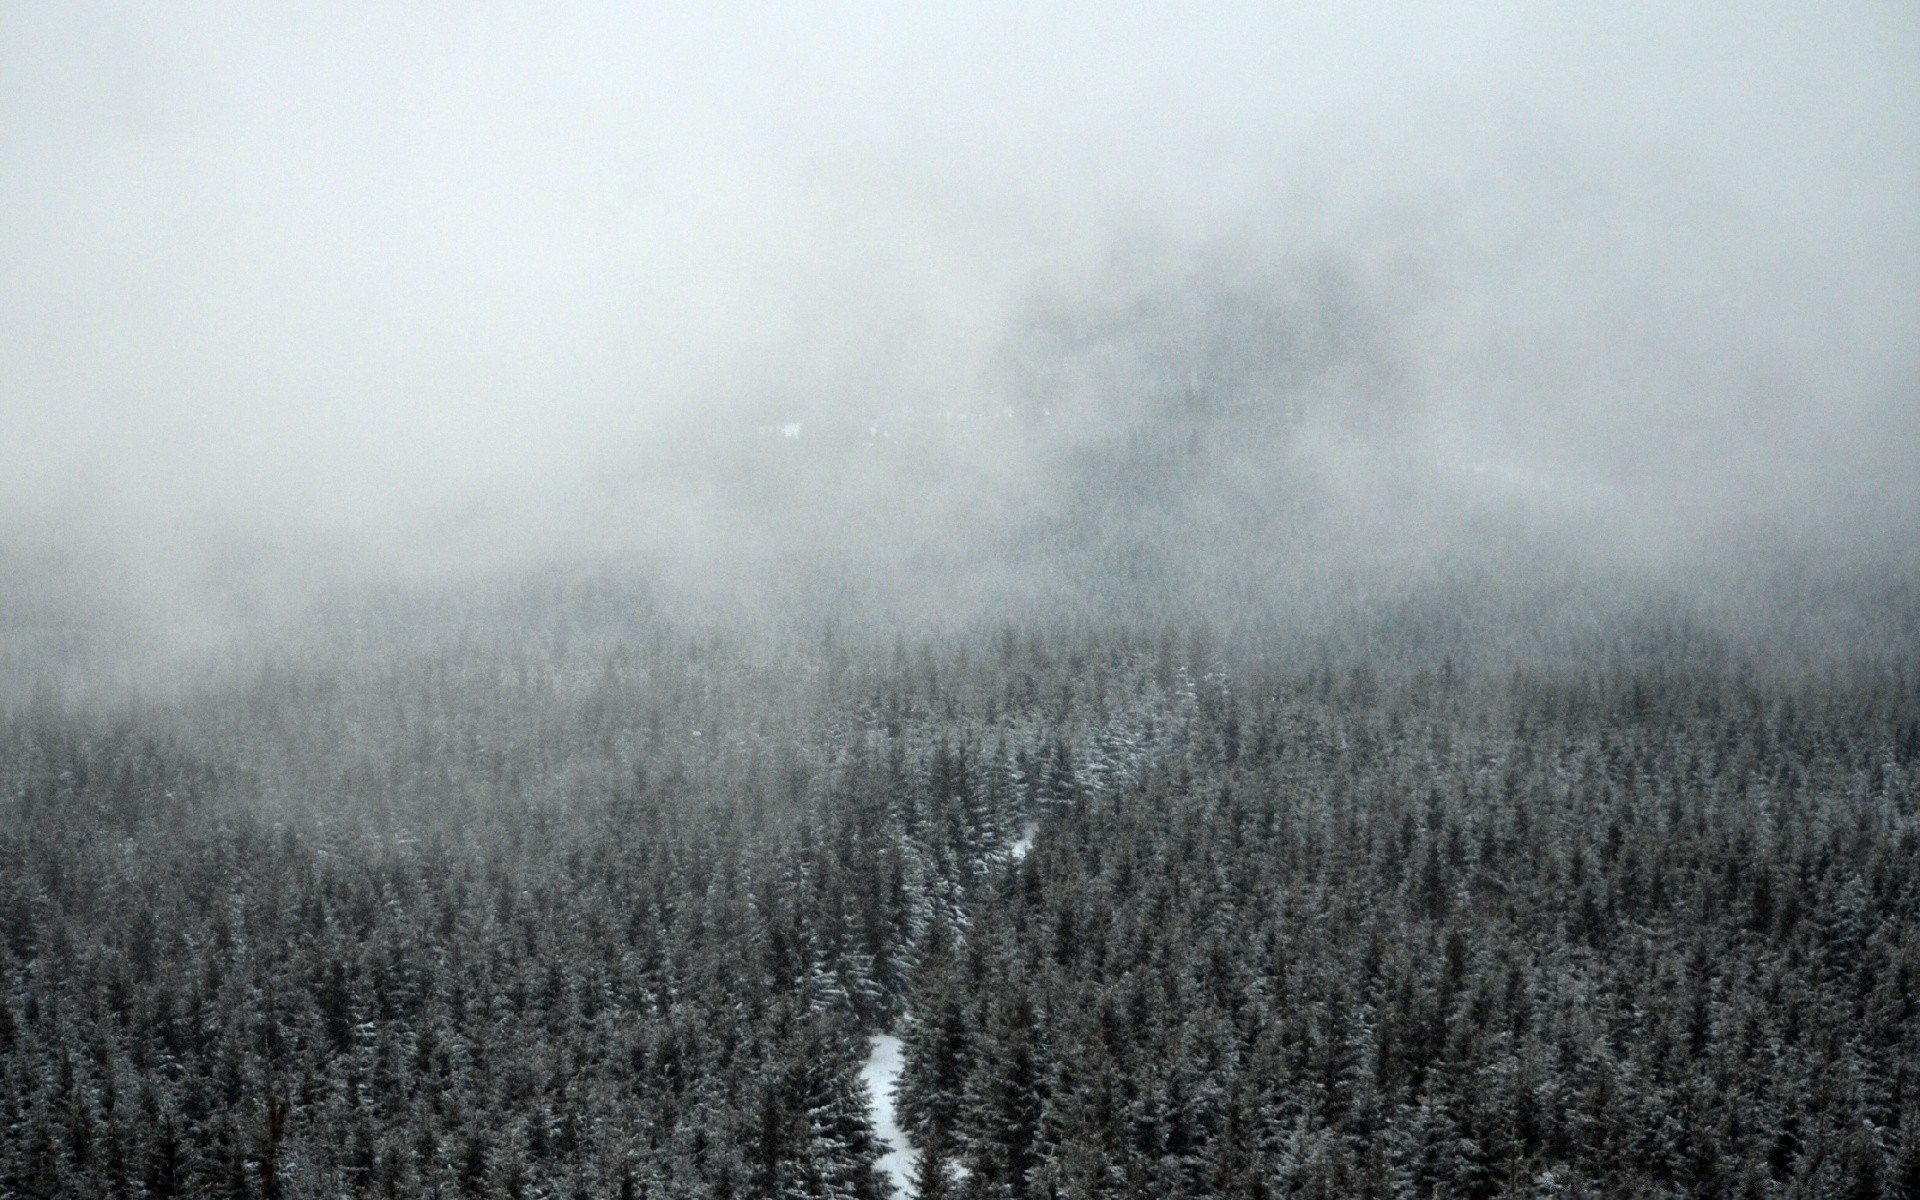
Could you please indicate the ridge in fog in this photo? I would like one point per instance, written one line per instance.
(1114, 313)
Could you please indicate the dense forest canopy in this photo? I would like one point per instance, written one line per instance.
(611, 915)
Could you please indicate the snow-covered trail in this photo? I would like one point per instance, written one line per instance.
(885, 1059)
(882, 1072)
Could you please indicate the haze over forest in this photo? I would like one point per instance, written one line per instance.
(976, 602)
(1113, 311)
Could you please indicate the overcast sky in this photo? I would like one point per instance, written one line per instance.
(339, 271)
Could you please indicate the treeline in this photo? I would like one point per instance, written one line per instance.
(613, 918)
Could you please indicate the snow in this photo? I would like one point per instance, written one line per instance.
(1019, 849)
(881, 1075)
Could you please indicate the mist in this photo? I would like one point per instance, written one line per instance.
(996, 599)
(940, 316)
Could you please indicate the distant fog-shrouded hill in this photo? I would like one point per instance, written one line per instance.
(1254, 439)
(1476, 331)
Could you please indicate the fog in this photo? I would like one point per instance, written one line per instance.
(945, 312)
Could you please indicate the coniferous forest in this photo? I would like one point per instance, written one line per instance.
(1014, 600)
(616, 918)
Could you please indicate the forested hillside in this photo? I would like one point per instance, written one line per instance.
(778, 600)
(1610, 937)
(512, 925)
(587, 918)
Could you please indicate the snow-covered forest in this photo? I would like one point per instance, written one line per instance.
(1022, 600)
(620, 922)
